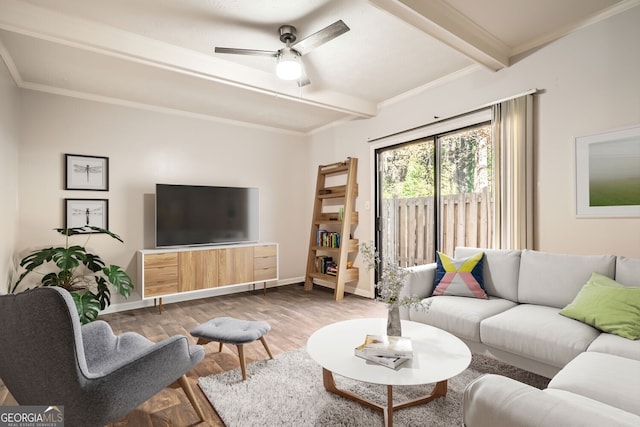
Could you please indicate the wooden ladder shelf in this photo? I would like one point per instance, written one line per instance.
(331, 246)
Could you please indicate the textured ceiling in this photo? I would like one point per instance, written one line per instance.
(160, 53)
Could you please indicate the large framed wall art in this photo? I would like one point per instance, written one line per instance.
(608, 173)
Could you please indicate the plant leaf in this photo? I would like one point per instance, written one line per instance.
(15, 286)
(119, 279)
(83, 230)
(105, 231)
(68, 258)
(50, 279)
(71, 231)
(93, 262)
(104, 294)
(87, 305)
(37, 258)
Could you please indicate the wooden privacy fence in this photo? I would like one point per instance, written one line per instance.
(408, 226)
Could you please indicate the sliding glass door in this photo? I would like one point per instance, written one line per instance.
(434, 194)
(406, 191)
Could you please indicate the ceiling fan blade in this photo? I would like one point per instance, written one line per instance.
(304, 80)
(321, 37)
(255, 52)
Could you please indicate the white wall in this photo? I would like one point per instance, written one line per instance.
(145, 148)
(589, 82)
(9, 137)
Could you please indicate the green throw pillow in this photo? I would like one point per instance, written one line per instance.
(607, 305)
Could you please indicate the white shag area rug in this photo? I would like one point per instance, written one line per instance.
(288, 391)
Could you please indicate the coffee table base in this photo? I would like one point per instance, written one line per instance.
(440, 390)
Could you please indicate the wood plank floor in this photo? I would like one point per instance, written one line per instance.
(293, 314)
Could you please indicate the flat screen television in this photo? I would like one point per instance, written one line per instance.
(189, 215)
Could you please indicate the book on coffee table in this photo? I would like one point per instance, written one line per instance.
(389, 346)
(388, 361)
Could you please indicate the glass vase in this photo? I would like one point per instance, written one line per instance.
(394, 326)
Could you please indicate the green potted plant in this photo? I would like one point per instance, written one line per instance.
(84, 274)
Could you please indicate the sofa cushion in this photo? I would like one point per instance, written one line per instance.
(610, 379)
(614, 344)
(460, 316)
(500, 270)
(587, 412)
(537, 332)
(459, 276)
(496, 401)
(555, 279)
(628, 271)
(607, 305)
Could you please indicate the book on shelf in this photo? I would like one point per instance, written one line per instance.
(387, 361)
(326, 265)
(329, 239)
(386, 345)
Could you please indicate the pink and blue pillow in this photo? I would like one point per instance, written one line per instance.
(459, 277)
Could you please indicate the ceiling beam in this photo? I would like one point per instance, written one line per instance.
(440, 20)
(44, 24)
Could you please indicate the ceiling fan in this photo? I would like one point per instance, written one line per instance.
(289, 65)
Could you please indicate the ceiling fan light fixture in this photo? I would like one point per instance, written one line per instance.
(289, 66)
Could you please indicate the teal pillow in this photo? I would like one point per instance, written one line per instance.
(459, 277)
(607, 305)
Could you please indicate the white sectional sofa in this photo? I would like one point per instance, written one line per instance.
(595, 375)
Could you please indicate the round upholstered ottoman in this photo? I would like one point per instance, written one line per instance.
(228, 330)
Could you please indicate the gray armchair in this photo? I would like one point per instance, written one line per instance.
(48, 358)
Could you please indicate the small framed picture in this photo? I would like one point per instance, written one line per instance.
(86, 172)
(84, 212)
(608, 174)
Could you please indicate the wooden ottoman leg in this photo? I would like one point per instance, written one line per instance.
(242, 365)
(266, 347)
(202, 341)
(220, 348)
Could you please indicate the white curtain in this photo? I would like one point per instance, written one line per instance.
(513, 172)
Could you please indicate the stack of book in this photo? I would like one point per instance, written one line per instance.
(385, 350)
(329, 239)
(326, 265)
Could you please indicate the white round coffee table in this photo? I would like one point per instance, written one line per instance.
(438, 356)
